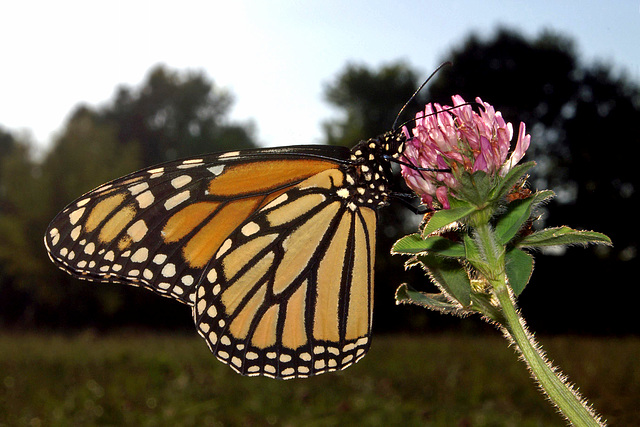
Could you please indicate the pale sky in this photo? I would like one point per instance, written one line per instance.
(274, 56)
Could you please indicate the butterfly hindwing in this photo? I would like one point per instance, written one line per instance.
(289, 294)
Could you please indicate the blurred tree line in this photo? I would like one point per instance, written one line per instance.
(580, 117)
(172, 115)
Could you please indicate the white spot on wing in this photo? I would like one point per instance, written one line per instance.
(159, 259)
(212, 276)
(76, 215)
(224, 248)
(275, 202)
(192, 161)
(284, 358)
(156, 171)
(140, 255)
(75, 233)
(145, 199)
(169, 270)
(250, 228)
(138, 230)
(190, 164)
(216, 170)
(55, 236)
(90, 248)
(213, 338)
(229, 154)
(138, 188)
(343, 192)
(176, 200)
(202, 304)
(180, 181)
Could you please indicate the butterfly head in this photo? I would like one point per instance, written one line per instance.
(393, 143)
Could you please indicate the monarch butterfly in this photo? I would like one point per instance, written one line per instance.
(272, 248)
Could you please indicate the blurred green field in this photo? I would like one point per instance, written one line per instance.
(138, 378)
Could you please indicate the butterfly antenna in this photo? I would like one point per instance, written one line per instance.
(406, 104)
(435, 113)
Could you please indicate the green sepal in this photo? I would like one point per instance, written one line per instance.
(449, 275)
(444, 217)
(405, 294)
(561, 236)
(507, 182)
(510, 222)
(414, 244)
(519, 267)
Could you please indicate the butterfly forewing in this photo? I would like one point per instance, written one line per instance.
(158, 228)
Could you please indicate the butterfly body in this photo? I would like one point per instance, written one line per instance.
(273, 249)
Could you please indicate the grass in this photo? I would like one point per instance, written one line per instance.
(127, 378)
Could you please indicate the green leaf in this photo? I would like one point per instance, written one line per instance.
(519, 267)
(405, 294)
(507, 226)
(510, 179)
(450, 275)
(562, 236)
(444, 217)
(415, 244)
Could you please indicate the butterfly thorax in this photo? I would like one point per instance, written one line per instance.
(369, 173)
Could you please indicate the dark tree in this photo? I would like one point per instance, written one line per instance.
(172, 115)
(369, 100)
(175, 115)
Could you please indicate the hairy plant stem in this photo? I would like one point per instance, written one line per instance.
(551, 381)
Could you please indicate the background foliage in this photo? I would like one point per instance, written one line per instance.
(581, 117)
